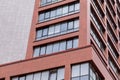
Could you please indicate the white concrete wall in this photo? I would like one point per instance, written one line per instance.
(15, 23)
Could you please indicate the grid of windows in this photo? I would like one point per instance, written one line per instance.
(84, 72)
(59, 11)
(57, 29)
(98, 41)
(113, 66)
(55, 74)
(55, 47)
(47, 2)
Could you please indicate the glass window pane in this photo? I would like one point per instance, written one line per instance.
(84, 69)
(84, 78)
(75, 43)
(47, 15)
(49, 48)
(57, 28)
(76, 23)
(65, 9)
(60, 74)
(22, 78)
(77, 6)
(53, 13)
(45, 32)
(59, 11)
(75, 70)
(51, 30)
(45, 75)
(69, 44)
(39, 33)
(62, 45)
(56, 47)
(70, 25)
(37, 76)
(48, 1)
(15, 78)
(43, 1)
(42, 51)
(29, 77)
(36, 51)
(41, 17)
(64, 26)
(53, 76)
(75, 78)
(71, 8)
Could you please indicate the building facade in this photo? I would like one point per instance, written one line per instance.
(71, 40)
(15, 24)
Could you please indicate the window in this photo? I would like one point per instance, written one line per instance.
(43, 48)
(45, 32)
(37, 76)
(70, 25)
(63, 26)
(29, 77)
(84, 71)
(76, 23)
(47, 2)
(41, 16)
(36, 51)
(57, 29)
(75, 43)
(59, 11)
(69, 44)
(77, 6)
(62, 45)
(53, 13)
(47, 15)
(60, 75)
(51, 30)
(76, 71)
(71, 8)
(54, 74)
(55, 47)
(65, 9)
(45, 75)
(49, 49)
(22, 78)
(39, 34)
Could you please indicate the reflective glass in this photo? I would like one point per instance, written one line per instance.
(65, 9)
(37, 76)
(49, 48)
(69, 44)
(62, 45)
(36, 51)
(56, 47)
(42, 51)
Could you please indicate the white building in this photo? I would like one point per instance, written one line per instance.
(15, 23)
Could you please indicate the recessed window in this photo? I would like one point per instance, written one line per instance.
(45, 75)
(57, 29)
(59, 12)
(71, 8)
(84, 71)
(29, 77)
(47, 2)
(65, 9)
(43, 50)
(63, 27)
(37, 76)
(54, 74)
(36, 51)
(45, 32)
(62, 45)
(56, 47)
(49, 48)
(69, 44)
(51, 30)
